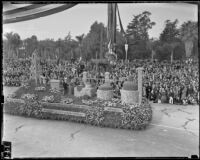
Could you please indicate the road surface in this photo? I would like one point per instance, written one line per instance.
(173, 132)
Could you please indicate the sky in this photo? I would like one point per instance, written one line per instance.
(78, 19)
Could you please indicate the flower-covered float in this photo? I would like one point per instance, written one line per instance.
(49, 103)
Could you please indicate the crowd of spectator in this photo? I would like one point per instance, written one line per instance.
(163, 82)
(15, 71)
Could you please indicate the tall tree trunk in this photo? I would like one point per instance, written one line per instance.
(152, 55)
(17, 53)
(172, 56)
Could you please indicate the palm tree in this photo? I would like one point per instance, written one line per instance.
(14, 43)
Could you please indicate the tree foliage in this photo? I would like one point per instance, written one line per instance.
(137, 34)
(91, 46)
(173, 42)
(169, 39)
(189, 35)
(13, 42)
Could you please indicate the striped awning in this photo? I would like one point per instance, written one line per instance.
(16, 12)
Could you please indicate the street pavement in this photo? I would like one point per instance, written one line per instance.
(173, 132)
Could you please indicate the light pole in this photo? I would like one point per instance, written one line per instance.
(126, 49)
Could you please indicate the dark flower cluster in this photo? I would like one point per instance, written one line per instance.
(95, 116)
(136, 116)
(31, 108)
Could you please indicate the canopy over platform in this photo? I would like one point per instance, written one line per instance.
(16, 12)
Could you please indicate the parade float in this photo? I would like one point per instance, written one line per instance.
(44, 101)
(86, 105)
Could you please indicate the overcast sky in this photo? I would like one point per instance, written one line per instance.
(78, 19)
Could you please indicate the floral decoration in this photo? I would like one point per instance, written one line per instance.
(31, 108)
(29, 96)
(41, 88)
(48, 99)
(136, 116)
(54, 90)
(67, 100)
(95, 116)
(87, 102)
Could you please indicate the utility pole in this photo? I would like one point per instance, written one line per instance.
(111, 27)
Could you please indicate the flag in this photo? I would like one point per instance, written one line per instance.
(20, 11)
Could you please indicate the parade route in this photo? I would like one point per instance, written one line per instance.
(173, 132)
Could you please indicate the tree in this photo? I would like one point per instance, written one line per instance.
(171, 47)
(30, 45)
(153, 46)
(137, 35)
(69, 47)
(59, 47)
(170, 38)
(138, 28)
(14, 42)
(80, 40)
(91, 44)
(170, 32)
(120, 45)
(189, 35)
(34, 42)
